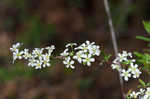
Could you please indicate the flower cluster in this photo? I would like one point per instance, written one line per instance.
(125, 64)
(38, 58)
(141, 94)
(83, 54)
(67, 55)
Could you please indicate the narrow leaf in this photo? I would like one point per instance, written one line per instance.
(147, 26)
(143, 38)
(142, 82)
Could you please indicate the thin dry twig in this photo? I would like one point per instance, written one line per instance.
(114, 41)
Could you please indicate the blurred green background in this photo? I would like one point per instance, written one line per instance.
(38, 23)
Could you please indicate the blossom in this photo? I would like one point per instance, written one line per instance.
(26, 54)
(65, 53)
(32, 62)
(121, 57)
(94, 50)
(142, 94)
(38, 64)
(41, 57)
(116, 66)
(69, 63)
(15, 47)
(142, 91)
(85, 46)
(134, 94)
(86, 52)
(137, 74)
(50, 49)
(46, 60)
(38, 58)
(37, 52)
(88, 59)
(126, 64)
(17, 55)
(133, 68)
(125, 74)
(147, 94)
(71, 44)
(78, 56)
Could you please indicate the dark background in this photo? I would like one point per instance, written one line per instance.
(38, 23)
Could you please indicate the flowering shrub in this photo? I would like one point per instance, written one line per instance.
(40, 57)
(143, 93)
(129, 68)
(124, 63)
(84, 53)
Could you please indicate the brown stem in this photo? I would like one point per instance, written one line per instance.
(112, 31)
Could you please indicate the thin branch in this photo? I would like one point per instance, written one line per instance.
(112, 31)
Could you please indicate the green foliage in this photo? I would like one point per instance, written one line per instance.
(143, 38)
(147, 26)
(106, 57)
(144, 58)
(128, 94)
(143, 84)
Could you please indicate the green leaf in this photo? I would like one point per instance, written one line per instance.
(147, 26)
(138, 54)
(148, 84)
(143, 38)
(107, 57)
(142, 82)
(139, 86)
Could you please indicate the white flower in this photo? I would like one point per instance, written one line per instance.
(115, 66)
(65, 53)
(147, 94)
(88, 59)
(125, 74)
(17, 55)
(126, 61)
(38, 64)
(130, 54)
(15, 47)
(85, 46)
(32, 62)
(133, 68)
(26, 54)
(134, 94)
(85, 52)
(121, 57)
(71, 44)
(133, 60)
(142, 91)
(94, 50)
(46, 60)
(69, 63)
(78, 56)
(137, 74)
(115, 61)
(37, 52)
(50, 49)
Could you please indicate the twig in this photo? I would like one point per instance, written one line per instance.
(112, 31)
